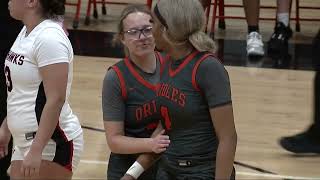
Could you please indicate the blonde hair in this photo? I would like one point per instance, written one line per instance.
(133, 8)
(185, 23)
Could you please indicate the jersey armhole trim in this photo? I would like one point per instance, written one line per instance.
(161, 60)
(159, 57)
(122, 82)
(194, 71)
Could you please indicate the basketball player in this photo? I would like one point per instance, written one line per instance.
(128, 95)
(308, 141)
(194, 99)
(9, 29)
(38, 69)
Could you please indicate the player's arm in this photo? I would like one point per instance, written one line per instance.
(52, 55)
(55, 78)
(143, 162)
(121, 144)
(5, 136)
(113, 107)
(214, 82)
(4, 127)
(223, 121)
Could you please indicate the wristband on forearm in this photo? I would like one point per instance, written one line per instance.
(135, 170)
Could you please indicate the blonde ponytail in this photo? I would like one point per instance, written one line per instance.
(202, 42)
(184, 22)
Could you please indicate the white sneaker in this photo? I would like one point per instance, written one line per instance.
(254, 44)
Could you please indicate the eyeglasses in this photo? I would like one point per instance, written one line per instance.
(136, 33)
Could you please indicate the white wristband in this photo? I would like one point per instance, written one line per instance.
(135, 170)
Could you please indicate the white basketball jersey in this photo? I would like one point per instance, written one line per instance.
(46, 44)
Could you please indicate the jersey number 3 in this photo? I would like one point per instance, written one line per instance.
(8, 78)
(166, 117)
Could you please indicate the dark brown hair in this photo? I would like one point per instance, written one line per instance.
(53, 8)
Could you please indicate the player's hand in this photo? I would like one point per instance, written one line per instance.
(127, 177)
(160, 142)
(31, 164)
(4, 141)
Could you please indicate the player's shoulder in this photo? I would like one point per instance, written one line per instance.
(209, 58)
(49, 29)
(115, 69)
(119, 65)
(210, 62)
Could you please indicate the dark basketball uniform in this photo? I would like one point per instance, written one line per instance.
(9, 30)
(188, 89)
(140, 118)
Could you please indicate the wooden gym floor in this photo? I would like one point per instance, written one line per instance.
(268, 103)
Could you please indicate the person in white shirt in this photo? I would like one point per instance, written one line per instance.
(11, 29)
(48, 136)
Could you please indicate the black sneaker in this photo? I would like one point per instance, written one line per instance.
(278, 43)
(301, 143)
